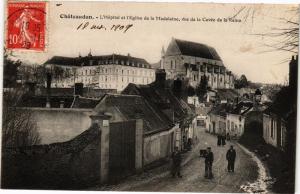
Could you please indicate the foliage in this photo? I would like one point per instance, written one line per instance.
(242, 82)
(10, 70)
(19, 127)
(284, 38)
(202, 87)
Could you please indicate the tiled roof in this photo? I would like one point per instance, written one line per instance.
(40, 101)
(197, 50)
(220, 109)
(224, 94)
(96, 60)
(162, 98)
(87, 92)
(133, 107)
(82, 102)
(240, 109)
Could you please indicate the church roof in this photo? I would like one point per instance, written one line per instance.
(196, 49)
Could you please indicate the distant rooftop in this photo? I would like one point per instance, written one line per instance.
(99, 60)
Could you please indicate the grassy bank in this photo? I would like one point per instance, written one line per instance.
(274, 159)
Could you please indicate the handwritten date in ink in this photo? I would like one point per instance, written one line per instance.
(116, 28)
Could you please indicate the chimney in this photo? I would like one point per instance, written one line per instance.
(293, 72)
(49, 79)
(78, 89)
(160, 77)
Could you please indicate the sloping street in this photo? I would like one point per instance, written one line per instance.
(246, 171)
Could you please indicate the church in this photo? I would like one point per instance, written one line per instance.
(191, 60)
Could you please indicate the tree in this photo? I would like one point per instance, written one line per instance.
(202, 87)
(18, 125)
(284, 38)
(10, 71)
(241, 83)
(190, 91)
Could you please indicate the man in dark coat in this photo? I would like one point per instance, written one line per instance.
(228, 137)
(223, 140)
(209, 158)
(176, 165)
(219, 140)
(230, 156)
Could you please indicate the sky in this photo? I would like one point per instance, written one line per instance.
(241, 51)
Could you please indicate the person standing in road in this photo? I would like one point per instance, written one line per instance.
(223, 139)
(209, 158)
(176, 165)
(230, 156)
(228, 137)
(219, 140)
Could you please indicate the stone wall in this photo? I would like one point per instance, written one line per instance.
(60, 124)
(158, 146)
(74, 164)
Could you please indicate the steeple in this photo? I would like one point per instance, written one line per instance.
(90, 53)
(163, 51)
(162, 57)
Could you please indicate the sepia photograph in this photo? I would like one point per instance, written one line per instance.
(149, 96)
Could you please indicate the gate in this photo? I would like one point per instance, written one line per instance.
(121, 149)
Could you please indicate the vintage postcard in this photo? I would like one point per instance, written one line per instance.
(164, 97)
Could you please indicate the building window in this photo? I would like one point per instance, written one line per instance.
(171, 64)
(221, 80)
(272, 128)
(214, 79)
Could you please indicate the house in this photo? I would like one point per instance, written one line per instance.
(228, 118)
(280, 118)
(177, 110)
(158, 129)
(194, 100)
(191, 60)
(274, 128)
(105, 72)
(68, 116)
(216, 119)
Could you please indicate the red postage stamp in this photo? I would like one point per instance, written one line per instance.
(26, 22)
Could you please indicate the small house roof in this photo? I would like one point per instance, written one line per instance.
(133, 107)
